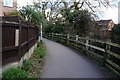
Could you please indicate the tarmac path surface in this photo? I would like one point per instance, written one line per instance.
(63, 62)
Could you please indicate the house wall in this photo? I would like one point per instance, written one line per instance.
(0, 8)
(6, 9)
(105, 28)
(110, 25)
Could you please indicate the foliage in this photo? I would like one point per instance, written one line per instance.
(38, 44)
(116, 33)
(73, 15)
(76, 22)
(14, 73)
(48, 28)
(37, 61)
(57, 27)
(31, 14)
(23, 73)
(26, 65)
(40, 52)
(15, 13)
(84, 23)
(80, 21)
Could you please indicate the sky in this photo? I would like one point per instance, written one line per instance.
(109, 13)
(104, 14)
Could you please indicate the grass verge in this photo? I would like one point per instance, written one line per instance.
(37, 60)
(31, 68)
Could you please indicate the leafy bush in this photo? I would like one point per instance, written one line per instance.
(15, 13)
(48, 28)
(14, 73)
(38, 44)
(116, 34)
(58, 27)
(40, 52)
(22, 74)
(26, 65)
(32, 14)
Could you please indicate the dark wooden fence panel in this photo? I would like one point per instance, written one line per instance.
(10, 19)
(10, 55)
(24, 35)
(7, 38)
(27, 37)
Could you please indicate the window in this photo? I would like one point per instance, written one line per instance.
(8, 3)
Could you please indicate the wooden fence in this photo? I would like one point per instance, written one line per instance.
(106, 52)
(17, 38)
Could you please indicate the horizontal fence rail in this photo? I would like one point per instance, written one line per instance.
(106, 52)
(18, 37)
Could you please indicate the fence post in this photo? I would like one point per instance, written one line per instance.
(20, 26)
(52, 35)
(49, 35)
(86, 45)
(76, 39)
(106, 54)
(58, 37)
(19, 48)
(28, 37)
(68, 37)
(55, 36)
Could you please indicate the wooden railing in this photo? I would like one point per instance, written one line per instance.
(106, 52)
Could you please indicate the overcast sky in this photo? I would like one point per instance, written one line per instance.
(106, 13)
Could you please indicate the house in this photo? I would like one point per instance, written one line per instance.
(7, 6)
(104, 28)
(105, 25)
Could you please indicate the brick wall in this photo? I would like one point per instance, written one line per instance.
(6, 9)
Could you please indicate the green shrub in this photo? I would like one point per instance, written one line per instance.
(40, 52)
(32, 77)
(15, 13)
(26, 65)
(116, 34)
(14, 74)
(35, 50)
(38, 44)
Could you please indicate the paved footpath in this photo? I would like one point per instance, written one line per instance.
(63, 62)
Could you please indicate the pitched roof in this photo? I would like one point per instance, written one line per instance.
(103, 22)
